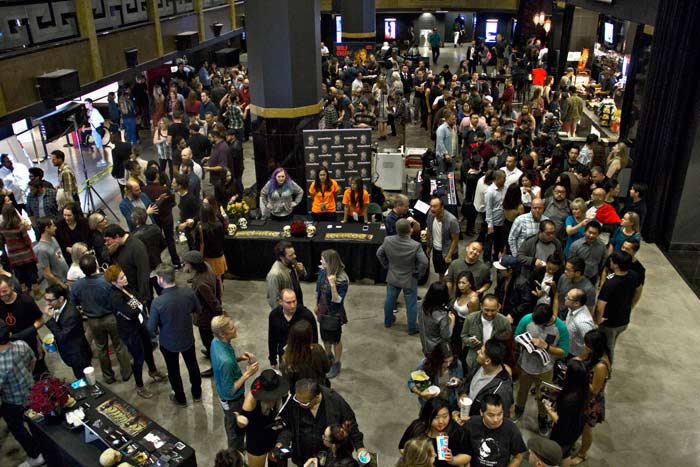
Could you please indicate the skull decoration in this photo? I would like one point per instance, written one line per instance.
(286, 231)
(243, 223)
(310, 231)
(232, 229)
(424, 235)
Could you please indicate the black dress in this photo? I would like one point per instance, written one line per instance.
(260, 437)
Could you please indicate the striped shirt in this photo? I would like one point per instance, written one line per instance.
(578, 323)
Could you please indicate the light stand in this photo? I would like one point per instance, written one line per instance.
(88, 201)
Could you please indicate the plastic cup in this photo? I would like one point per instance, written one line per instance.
(364, 457)
(89, 373)
(50, 343)
(465, 405)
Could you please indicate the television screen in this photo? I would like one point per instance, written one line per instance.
(608, 33)
(491, 30)
(338, 29)
(390, 28)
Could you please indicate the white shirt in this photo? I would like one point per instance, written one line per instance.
(511, 177)
(479, 200)
(324, 51)
(357, 85)
(96, 118)
(527, 197)
(16, 181)
(437, 235)
(488, 329)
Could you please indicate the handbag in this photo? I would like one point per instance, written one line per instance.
(329, 323)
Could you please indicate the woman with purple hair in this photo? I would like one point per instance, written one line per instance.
(280, 196)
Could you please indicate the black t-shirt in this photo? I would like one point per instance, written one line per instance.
(200, 146)
(492, 448)
(177, 131)
(120, 154)
(20, 316)
(618, 292)
(455, 440)
(639, 271)
(189, 207)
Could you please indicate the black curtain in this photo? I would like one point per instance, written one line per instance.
(566, 25)
(662, 149)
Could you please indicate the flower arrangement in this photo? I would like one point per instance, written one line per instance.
(48, 394)
(298, 228)
(237, 209)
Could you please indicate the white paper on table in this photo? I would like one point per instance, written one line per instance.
(422, 206)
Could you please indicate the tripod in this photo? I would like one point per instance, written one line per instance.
(88, 201)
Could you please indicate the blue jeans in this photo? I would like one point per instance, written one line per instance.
(411, 296)
(129, 124)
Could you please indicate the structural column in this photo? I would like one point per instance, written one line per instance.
(285, 77)
(359, 20)
(234, 22)
(198, 6)
(154, 15)
(86, 26)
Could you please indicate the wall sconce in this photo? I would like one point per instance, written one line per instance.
(216, 29)
(547, 25)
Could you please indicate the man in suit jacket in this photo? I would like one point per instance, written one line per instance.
(480, 327)
(66, 324)
(405, 260)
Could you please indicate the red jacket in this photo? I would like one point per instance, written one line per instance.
(606, 214)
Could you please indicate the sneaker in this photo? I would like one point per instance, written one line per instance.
(393, 320)
(33, 461)
(335, 370)
(109, 379)
(542, 425)
(143, 392)
(413, 333)
(197, 399)
(171, 396)
(157, 376)
(519, 411)
(127, 377)
(208, 373)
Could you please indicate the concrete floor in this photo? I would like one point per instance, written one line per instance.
(651, 416)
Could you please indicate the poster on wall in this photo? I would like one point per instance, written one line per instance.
(345, 153)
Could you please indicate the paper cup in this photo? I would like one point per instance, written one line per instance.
(89, 373)
(364, 458)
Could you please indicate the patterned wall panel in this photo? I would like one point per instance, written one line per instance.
(212, 3)
(116, 13)
(31, 24)
(166, 8)
(184, 6)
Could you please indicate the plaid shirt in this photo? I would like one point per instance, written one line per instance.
(67, 180)
(234, 115)
(16, 373)
(50, 205)
(524, 227)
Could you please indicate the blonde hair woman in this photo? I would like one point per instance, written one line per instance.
(76, 252)
(576, 223)
(417, 452)
(618, 159)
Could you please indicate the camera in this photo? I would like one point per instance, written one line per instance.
(549, 392)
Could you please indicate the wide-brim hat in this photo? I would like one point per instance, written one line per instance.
(269, 386)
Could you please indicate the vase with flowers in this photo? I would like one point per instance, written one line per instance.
(298, 229)
(237, 209)
(49, 397)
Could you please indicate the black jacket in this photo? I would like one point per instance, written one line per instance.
(501, 384)
(337, 411)
(70, 337)
(152, 237)
(278, 329)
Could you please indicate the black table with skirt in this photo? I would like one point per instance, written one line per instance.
(249, 253)
(66, 447)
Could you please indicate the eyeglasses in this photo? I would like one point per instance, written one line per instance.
(50, 300)
(306, 405)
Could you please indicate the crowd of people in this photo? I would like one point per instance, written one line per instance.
(551, 225)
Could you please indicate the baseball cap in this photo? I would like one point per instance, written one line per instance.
(547, 450)
(548, 115)
(489, 99)
(506, 262)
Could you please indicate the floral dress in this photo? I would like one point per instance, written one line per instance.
(594, 413)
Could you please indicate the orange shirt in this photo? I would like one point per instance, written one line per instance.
(355, 207)
(327, 197)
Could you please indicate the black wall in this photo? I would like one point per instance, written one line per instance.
(640, 11)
